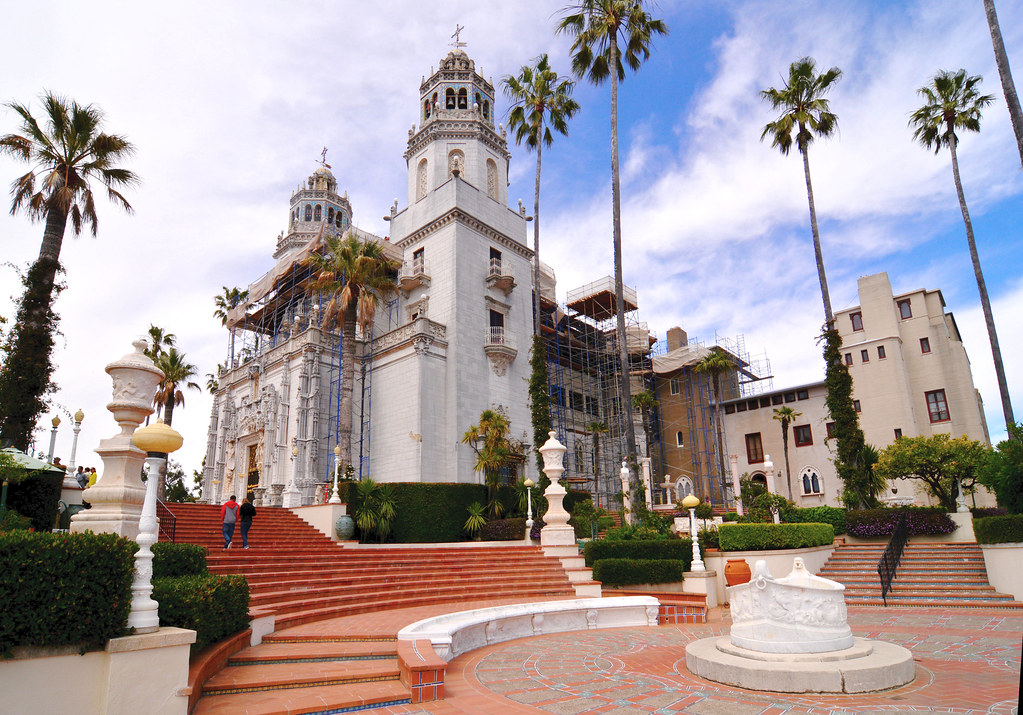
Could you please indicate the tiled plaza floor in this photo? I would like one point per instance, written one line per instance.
(967, 661)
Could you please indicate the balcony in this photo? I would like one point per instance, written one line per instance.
(499, 349)
(500, 277)
(413, 275)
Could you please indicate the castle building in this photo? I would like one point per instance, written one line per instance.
(452, 342)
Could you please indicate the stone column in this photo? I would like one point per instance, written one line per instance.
(644, 471)
(118, 495)
(733, 462)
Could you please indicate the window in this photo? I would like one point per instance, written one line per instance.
(495, 262)
(856, 405)
(905, 311)
(864, 356)
(937, 406)
(830, 427)
(421, 180)
(729, 409)
(463, 99)
(679, 441)
(418, 262)
(857, 321)
(754, 448)
(881, 353)
(673, 386)
(496, 335)
(753, 404)
(449, 98)
(848, 358)
(578, 403)
(776, 399)
(318, 213)
(810, 480)
(740, 406)
(765, 401)
(803, 436)
(330, 214)
(790, 397)
(925, 345)
(898, 433)
(308, 212)
(802, 394)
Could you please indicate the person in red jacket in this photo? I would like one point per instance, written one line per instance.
(229, 516)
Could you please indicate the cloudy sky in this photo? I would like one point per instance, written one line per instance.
(230, 103)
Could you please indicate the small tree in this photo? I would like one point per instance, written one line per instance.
(1003, 471)
(786, 415)
(489, 440)
(940, 462)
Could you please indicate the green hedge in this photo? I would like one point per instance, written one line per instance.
(64, 589)
(999, 529)
(629, 572)
(768, 537)
(14, 521)
(659, 549)
(504, 530)
(37, 497)
(174, 560)
(215, 607)
(818, 515)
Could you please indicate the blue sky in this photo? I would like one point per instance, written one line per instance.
(230, 104)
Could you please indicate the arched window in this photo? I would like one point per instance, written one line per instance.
(449, 98)
(683, 488)
(421, 180)
(486, 109)
(463, 98)
(317, 213)
(339, 219)
(479, 102)
(426, 109)
(492, 179)
(811, 480)
(330, 214)
(308, 212)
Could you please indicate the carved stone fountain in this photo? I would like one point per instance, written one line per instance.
(791, 635)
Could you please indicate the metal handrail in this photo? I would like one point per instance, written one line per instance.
(166, 519)
(891, 557)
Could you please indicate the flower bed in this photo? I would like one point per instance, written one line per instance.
(925, 521)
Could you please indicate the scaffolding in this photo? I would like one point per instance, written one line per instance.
(587, 409)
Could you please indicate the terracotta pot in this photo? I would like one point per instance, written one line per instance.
(737, 571)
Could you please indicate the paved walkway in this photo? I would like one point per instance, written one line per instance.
(968, 661)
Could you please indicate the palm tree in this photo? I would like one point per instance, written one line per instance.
(540, 100)
(804, 108)
(356, 275)
(489, 440)
(159, 340)
(715, 364)
(786, 415)
(595, 429)
(953, 102)
(597, 26)
(67, 153)
(1008, 86)
(645, 402)
(225, 302)
(177, 373)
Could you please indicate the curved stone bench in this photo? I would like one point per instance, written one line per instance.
(455, 633)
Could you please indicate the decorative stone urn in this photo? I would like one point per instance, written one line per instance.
(556, 531)
(118, 495)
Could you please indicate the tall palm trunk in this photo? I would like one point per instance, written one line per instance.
(1008, 86)
(715, 382)
(347, 384)
(785, 443)
(536, 245)
(828, 315)
(985, 302)
(625, 404)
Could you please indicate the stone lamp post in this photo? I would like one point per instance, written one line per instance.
(557, 532)
(118, 495)
(53, 439)
(161, 438)
(335, 498)
(626, 499)
(292, 498)
(690, 503)
(69, 473)
(528, 484)
(771, 486)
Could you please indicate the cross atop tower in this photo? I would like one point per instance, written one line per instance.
(323, 159)
(457, 43)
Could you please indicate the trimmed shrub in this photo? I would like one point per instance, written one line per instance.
(174, 560)
(37, 496)
(920, 521)
(64, 589)
(709, 539)
(999, 529)
(504, 530)
(13, 521)
(627, 572)
(731, 516)
(768, 537)
(215, 607)
(980, 512)
(819, 515)
(674, 549)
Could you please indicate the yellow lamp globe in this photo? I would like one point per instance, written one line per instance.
(690, 501)
(157, 437)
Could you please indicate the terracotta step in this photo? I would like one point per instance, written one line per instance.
(251, 677)
(283, 652)
(324, 698)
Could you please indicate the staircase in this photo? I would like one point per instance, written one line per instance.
(929, 574)
(299, 576)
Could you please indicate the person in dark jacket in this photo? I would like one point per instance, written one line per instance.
(228, 516)
(247, 511)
